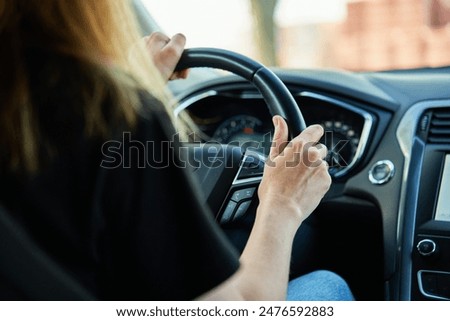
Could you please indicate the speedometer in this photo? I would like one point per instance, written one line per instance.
(342, 142)
(243, 130)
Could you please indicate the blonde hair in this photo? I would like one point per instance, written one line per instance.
(102, 35)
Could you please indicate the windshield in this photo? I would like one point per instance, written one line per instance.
(359, 35)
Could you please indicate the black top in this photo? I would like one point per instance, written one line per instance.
(124, 230)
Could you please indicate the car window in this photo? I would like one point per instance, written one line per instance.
(354, 35)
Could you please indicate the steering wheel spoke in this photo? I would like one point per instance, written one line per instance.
(244, 188)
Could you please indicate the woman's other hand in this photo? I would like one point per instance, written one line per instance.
(166, 53)
(296, 176)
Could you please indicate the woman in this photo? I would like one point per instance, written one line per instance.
(75, 76)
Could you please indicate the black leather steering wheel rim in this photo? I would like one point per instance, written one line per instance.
(276, 95)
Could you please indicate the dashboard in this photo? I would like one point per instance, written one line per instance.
(388, 135)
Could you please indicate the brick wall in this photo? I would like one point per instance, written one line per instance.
(378, 34)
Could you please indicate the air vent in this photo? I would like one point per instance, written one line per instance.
(439, 132)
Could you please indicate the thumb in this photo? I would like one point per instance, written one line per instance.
(280, 136)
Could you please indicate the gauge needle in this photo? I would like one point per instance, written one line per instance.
(248, 131)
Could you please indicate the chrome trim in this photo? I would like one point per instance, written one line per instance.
(426, 254)
(191, 100)
(419, 281)
(367, 127)
(391, 167)
(405, 135)
(245, 181)
(256, 179)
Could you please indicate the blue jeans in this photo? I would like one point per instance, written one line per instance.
(319, 286)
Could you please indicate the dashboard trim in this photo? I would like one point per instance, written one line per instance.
(191, 100)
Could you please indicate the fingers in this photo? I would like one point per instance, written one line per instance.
(175, 46)
(317, 152)
(166, 53)
(304, 147)
(302, 150)
(156, 42)
(314, 155)
(304, 144)
(280, 136)
(311, 135)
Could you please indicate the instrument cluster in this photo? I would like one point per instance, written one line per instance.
(244, 120)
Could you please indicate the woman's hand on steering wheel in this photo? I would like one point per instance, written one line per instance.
(165, 53)
(296, 175)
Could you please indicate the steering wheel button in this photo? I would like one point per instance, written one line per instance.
(228, 212)
(242, 209)
(243, 194)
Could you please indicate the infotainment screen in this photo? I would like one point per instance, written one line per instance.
(443, 204)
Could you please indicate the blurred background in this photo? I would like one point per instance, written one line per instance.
(357, 35)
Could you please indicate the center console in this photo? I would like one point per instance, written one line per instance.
(425, 238)
(431, 251)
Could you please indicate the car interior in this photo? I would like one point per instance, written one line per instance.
(384, 225)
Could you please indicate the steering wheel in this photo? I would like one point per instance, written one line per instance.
(242, 172)
(278, 98)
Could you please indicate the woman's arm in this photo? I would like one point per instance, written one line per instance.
(295, 180)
